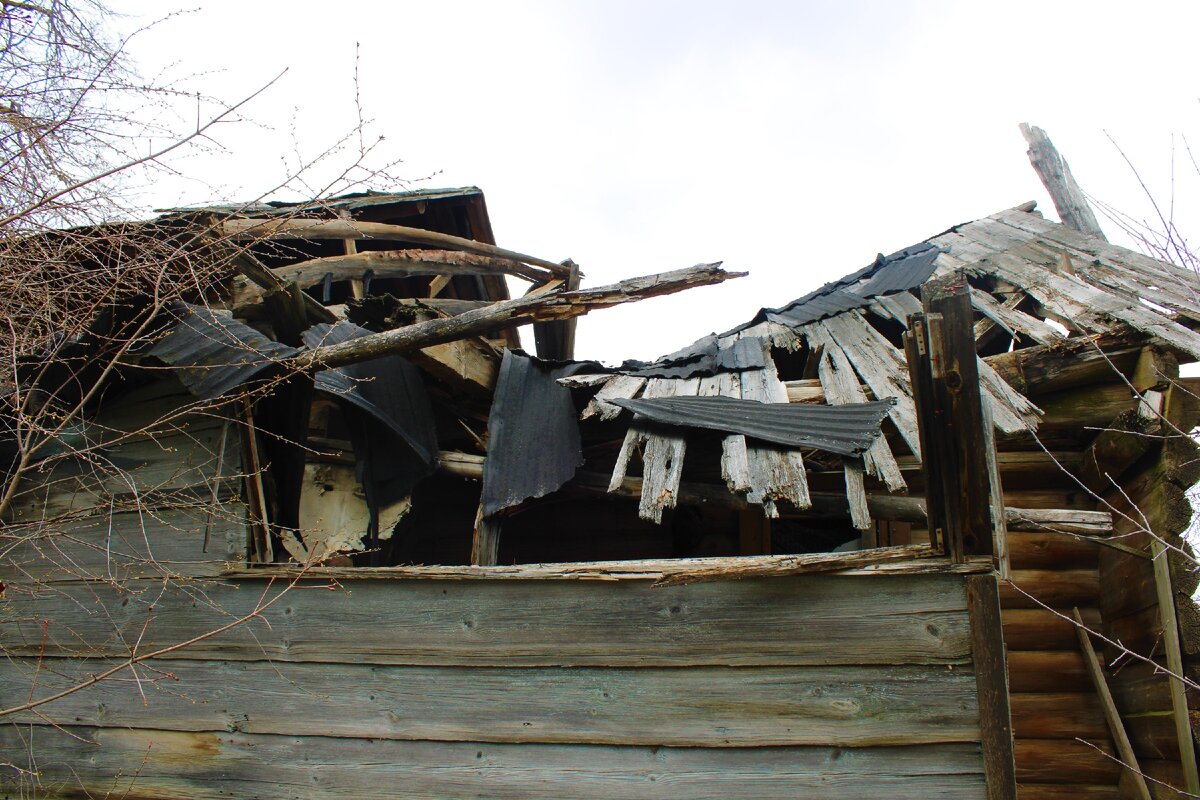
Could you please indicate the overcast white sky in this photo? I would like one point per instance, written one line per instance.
(791, 140)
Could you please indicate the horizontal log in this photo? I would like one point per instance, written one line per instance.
(1042, 629)
(277, 228)
(1066, 791)
(1058, 588)
(406, 263)
(214, 765)
(1060, 715)
(1051, 550)
(545, 306)
(1065, 761)
(817, 620)
(1078, 361)
(696, 707)
(1046, 670)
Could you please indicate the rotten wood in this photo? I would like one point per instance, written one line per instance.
(1069, 200)
(531, 307)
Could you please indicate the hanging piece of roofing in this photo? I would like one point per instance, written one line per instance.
(847, 430)
(534, 445)
(214, 354)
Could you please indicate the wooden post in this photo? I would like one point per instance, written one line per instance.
(961, 479)
(485, 543)
(556, 340)
(991, 682)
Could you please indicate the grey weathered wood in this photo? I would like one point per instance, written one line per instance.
(1008, 316)
(662, 453)
(154, 542)
(735, 457)
(882, 368)
(533, 307)
(811, 620)
(849, 706)
(205, 766)
(899, 306)
(775, 474)
(839, 378)
(856, 495)
(991, 676)
(618, 386)
(1069, 199)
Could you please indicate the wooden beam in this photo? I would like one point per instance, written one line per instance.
(464, 364)
(1111, 716)
(546, 306)
(991, 681)
(404, 264)
(485, 541)
(291, 228)
(967, 473)
(556, 340)
(1174, 653)
(1070, 201)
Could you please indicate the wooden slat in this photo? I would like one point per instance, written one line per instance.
(1057, 715)
(1116, 728)
(848, 706)
(813, 620)
(1058, 588)
(619, 386)
(1174, 653)
(1065, 761)
(1042, 629)
(774, 474)
(1051, 550)
(213, 765)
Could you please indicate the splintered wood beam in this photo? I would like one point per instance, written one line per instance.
(261, 229)
(1069, 200)
(468, 364)
(742, 568)
(1111, 715)
(268, 281)
(552, 305)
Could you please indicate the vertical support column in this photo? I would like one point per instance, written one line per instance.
(961, 480)
(991, 683)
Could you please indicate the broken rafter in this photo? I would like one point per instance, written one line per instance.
(1069, 200)
(260, 229)
(531, 307)
(405, 263)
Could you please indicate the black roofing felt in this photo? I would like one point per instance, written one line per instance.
(903, 270)
(702, 358)
(214, 354)
(533, 435)
(390, 390)
(847, 430)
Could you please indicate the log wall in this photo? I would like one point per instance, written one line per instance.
(818, 686)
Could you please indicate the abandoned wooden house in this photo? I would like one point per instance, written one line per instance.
(331, 533)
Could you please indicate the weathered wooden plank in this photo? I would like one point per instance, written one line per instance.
(839, 378)
(775, 474)
(1042, 629)
(618, 386)
(1112, 716)
(204, 766)
(812, 620)
(1174, 653)
(697, 707)
(161, 543)
(1051, 550)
